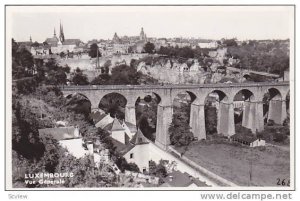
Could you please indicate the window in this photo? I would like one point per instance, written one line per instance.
(131, 155)
(140, 140)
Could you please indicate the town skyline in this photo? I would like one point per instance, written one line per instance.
(194, 22)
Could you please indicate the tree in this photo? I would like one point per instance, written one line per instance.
(79, 78)
(62, 55)
(25, 58)
(272, 57)
(26, 85)
(180, 134)
(124, 165)
(105, 69)
(14, 48)
(211, 120)
(149, 48)
(93, 51)
(22, 62)
(124, 74)
(186, 52)
(230, 42)
(146, 117)
(159, 170)
(102, 79)
(51, 157)
(130, 49)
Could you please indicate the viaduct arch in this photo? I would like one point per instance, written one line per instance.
(252, 112)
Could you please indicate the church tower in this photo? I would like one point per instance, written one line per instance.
(116, 38)
(61, 33)
(142, 34)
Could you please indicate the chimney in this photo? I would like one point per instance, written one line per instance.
(170, 178)
(90, 147)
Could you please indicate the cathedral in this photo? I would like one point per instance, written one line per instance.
(61, 44)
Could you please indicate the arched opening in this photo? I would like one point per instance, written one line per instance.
(113, 104)
(212, 112)
(247, 76)
(244, 111)
(78, 103)
(180, 130)
(275, 108)
(146, 114)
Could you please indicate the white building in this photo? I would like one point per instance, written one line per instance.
(69, 138)
(210, 45)
(249, 140)
(118, 132)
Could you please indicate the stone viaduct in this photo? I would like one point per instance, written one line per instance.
(253, 94)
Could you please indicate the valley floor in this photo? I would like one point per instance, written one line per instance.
(233, 162)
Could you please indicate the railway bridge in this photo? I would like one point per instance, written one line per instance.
(253, 94)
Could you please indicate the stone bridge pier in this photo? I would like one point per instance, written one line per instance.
(253, 116)
(277, 111)
(130, 110)
(197, 120)
(225, 123)
(277, 105)
(164, 119)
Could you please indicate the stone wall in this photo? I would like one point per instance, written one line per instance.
(87, 63)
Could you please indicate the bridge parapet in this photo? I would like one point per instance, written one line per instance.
(177, 86)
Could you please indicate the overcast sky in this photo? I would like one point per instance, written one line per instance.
(211, 22)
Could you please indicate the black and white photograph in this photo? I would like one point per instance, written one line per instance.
(149, 97)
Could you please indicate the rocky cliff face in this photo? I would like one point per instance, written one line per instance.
(175, 73)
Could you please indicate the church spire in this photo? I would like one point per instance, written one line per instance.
(54, 32)
(61, 33)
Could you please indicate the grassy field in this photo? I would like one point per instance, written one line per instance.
(232, 162)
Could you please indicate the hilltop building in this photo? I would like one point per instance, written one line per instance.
(143, 36)
(61, 44)
(116, 39)
(53, 41)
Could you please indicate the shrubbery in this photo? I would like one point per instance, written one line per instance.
(180, 134)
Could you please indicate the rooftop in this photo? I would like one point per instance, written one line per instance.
(62, 133)
(139, 138)
(116, 125)
(179, 179)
